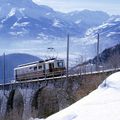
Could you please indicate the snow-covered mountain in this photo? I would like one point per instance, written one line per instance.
(109, 32)
(26, 20)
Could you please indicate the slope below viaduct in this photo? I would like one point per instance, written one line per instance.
(41, 98)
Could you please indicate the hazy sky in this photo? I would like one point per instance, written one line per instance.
(110, 6)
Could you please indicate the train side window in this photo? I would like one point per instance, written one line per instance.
(30, 67)
(51, 65)
(39, 67)
(35, 68)
(60, 64)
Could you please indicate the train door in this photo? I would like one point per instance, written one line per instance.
(51, 67)
(44, 68)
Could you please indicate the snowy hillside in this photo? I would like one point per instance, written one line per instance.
(27, 20)
(101, 104)
(109, 32)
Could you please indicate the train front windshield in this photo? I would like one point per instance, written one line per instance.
(60, 64)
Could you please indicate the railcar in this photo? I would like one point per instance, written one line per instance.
(40, 69)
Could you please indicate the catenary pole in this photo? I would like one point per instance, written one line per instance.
(4, 71)
(98, 45)
(67, 57)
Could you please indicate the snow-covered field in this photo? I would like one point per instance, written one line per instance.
(101, 104)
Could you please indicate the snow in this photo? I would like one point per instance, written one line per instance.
(56, 23)
(112, 33)
(22, 10)
(12, 12)
(48, 13)
(101, 104)
(78, 22)
(42, 36)
(15, 33)
(19, 33)
(117, 20)
(23, 24)
(107, 25)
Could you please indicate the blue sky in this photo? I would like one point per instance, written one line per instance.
(110, 6)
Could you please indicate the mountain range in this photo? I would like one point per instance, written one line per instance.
(109, 32)
(26, 20)
(31, 28)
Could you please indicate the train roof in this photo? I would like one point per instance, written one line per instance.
(41, 61)
(31, 63)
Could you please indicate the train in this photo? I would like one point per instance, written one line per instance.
(40, 69)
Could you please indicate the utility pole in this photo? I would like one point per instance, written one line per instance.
(67, 57)
(98, 45)
(4, 71)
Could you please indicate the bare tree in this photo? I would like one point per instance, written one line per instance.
(114, 61)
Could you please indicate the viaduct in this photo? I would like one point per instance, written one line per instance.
(41, 98)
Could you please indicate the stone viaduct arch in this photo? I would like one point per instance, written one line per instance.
(14, 106)
(44, 102)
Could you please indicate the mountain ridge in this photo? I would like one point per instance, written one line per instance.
(28, 20)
